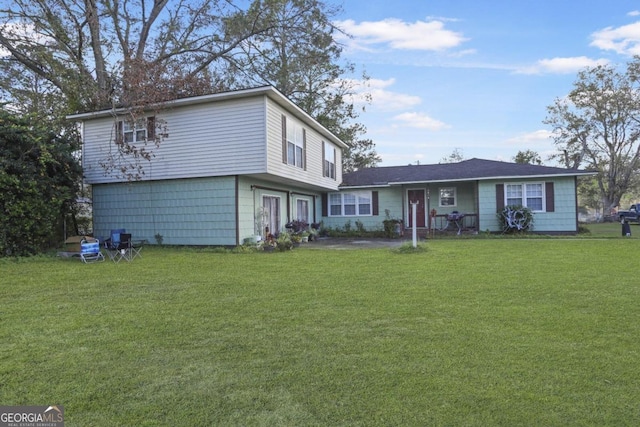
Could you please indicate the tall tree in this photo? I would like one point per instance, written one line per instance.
(455, 156)
(104, 52)
(38, 176)
(97, 54)
(598, 126)
(300, 56)
(528, 157)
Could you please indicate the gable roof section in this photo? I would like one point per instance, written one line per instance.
(466, 170)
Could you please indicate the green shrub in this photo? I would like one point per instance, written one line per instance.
(284, 242)
(407, 248)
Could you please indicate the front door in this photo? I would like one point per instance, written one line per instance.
(421, 208)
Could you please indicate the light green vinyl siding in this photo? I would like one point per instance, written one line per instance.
(471, 198)
(199, 211)
(562, 220)
(251, 193)
(388, 199)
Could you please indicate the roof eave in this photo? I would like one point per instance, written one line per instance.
(489, 178)
(359, 187)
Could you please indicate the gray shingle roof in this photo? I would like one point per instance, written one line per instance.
(466, 170)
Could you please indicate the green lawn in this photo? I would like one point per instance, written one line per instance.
(471, 332)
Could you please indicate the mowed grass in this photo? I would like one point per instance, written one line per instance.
(471, 332)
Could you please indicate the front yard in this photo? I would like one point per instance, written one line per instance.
(470, 332)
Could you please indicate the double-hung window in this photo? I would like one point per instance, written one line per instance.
(329, 164)
(350, 204)
(447, 196)
(140, 130)
(530, 195)
(295, 141)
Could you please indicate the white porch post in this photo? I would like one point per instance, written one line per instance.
(414, 228)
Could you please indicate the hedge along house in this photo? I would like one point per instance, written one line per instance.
(475, 188)
(229, 166)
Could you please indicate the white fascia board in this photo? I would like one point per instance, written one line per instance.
(360, 187)
(493, 178)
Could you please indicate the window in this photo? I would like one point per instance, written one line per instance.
(295, 144)
(138, 131)
(530, 195)
(302, 210)
(447, 196)
(329, 165)
(335, 204)
(350, 204)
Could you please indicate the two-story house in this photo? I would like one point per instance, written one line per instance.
(228, 166)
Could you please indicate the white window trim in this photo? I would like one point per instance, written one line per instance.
(357, 194)
(330, 158)
(297, 215)
(524, 194)
(455, 197)
(278, 223)
(297, 131)
(134, 128)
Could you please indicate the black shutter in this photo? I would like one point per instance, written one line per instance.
(499, 197)
(325, 204)
(374, 202)
(284, 139)
(304, 149)
(550, 196)
(151, 128)
(324, 162)
(119, 132)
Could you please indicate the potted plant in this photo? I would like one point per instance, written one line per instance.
(314, 231)
(284, 242)
(268, 244)
(296, 238)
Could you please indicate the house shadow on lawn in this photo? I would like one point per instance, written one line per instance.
(355, 243)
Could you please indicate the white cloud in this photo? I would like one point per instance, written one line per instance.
(420, 35)
(569, 65)
(386, 100)
(535, 137)
(374, 94)
(24, 32)
(420, 121)
(634, 13)
(623, 40)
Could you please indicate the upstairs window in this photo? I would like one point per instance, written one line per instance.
(329, 164)
(294, 144)
(141, 130)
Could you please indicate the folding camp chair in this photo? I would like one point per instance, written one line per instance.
(84, 247)
(90, 252)
(135, 246)
(114, 245)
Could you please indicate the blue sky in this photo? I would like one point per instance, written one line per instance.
(477, 75)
